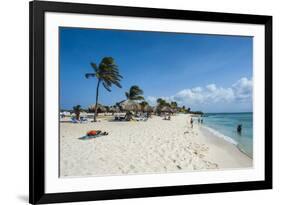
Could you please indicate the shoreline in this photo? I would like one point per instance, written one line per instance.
(217, 142)
(154, 146)
(228, 139)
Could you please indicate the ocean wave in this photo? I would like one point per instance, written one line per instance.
(220, 135)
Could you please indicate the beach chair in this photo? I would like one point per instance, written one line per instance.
(120, 118)
(140, 118)
(74, 120)
(117, 118)
(86, 120)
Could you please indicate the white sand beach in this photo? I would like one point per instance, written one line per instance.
(153, 146)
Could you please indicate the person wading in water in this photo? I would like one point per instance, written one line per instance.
(239, 129)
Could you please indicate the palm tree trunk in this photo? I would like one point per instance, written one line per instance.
(97, 98)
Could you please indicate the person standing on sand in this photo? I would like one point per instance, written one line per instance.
(191, 122)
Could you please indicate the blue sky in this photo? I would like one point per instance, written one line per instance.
(212, 73)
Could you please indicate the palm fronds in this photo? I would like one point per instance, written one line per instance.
(135, 93)
(107, 73)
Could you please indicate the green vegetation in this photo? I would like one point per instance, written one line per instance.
(160, 104)
(107, 73)
(143, 104)
(174, 105)
(135, 93)
(196, 112)
(77, 110)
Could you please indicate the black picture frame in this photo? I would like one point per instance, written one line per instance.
(37, 194)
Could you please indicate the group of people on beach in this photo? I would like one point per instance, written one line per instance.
(200, 121)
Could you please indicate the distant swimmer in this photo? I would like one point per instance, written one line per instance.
(239, 128)
(202, 121)
(191, 122)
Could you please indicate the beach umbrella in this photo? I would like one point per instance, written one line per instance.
(166, 109)
(129, 105)
(175, 110)
(114, 109)
(100, 108)
(148, 108)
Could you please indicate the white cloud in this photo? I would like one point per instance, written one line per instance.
(211, 87)
(151, 100)
(239, 92)
(197, 89)
(243, 89)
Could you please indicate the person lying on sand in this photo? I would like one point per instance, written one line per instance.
(93, 134)
(96, 132)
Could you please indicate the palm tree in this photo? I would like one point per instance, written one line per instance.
(174, 106)
(77, 110)
(143, 104)
(135, 93)
(160, 104)
(106, 73)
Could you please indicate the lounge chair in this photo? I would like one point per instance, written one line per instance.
(85, 120)
(119, 118)
(74, 120)
(140, 118)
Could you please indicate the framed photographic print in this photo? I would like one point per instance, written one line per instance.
(140, 102)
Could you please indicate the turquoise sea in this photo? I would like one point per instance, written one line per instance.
(226, 125)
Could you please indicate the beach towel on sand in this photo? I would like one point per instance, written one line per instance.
(86, 137)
